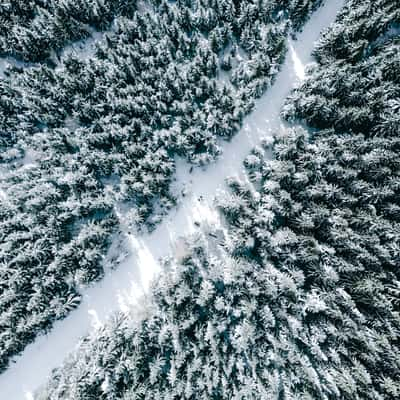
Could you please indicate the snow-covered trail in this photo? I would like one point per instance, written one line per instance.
(128, 284)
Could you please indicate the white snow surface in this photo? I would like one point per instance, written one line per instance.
(129, 283)
(3, 194)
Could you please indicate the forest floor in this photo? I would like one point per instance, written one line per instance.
(128, 284)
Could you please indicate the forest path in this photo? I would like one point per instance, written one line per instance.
(129, 283)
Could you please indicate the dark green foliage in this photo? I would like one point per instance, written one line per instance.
(83, 135)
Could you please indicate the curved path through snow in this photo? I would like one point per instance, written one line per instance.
(129, 282)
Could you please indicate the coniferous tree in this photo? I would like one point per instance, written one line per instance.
(301, 299)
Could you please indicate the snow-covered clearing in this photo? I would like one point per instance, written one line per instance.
(85, 48)
(128, 284)
(10, 61)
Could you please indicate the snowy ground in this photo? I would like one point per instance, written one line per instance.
(85, 48)
(6, 61)
(129, 283)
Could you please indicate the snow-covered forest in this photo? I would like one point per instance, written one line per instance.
(86, 137)
(293, 290)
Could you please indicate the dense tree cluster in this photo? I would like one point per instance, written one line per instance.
(53, 238)
(83, 137)
(31, 30)
(303, 299)
(357, 90)
(304, 304)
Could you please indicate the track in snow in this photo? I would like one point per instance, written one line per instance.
(128, 284)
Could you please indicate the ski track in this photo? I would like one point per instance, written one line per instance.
(128, 284)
